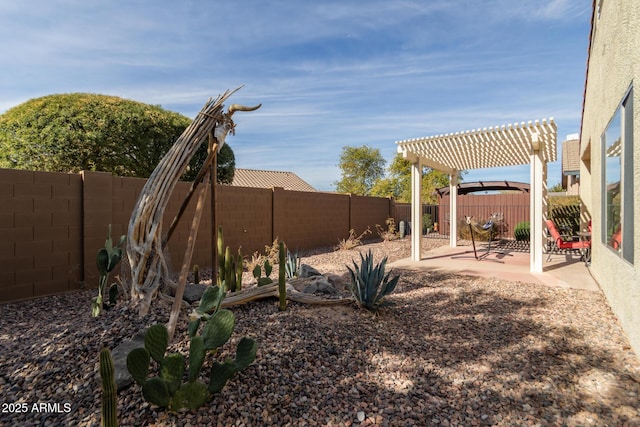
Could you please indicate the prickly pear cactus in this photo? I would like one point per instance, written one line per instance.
(167, 389)
(106, 260)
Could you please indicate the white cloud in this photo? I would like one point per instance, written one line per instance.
(329, 74)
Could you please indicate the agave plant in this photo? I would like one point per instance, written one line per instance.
(370, 284)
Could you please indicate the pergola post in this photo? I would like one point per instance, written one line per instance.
(416, 209)
(538, 168)
(453, 209)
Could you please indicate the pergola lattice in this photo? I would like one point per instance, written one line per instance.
(532, 143)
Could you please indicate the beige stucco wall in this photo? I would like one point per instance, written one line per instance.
(614, 66)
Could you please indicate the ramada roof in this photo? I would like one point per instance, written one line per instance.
(268, 179)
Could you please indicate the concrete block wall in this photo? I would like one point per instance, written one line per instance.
(246, 216)
(53, 224)
(369, 211)
(41, 233)
(305, 220)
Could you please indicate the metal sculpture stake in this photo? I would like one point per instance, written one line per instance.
(145, 244)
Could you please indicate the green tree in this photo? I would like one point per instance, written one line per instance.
(361, 168)
(556, 188)
(79, 131)
(398, 182)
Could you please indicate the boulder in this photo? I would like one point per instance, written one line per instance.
(119, 354)
(317, 285)
(338, 282)
(307, 271)
(193, 292)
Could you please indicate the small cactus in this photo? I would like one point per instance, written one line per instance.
(293, 265)
(239, 270)
(106, 260)
(109, 390)
(257, 271)
(229, 267)
(196, 274)
(229, 272)
(282, 286)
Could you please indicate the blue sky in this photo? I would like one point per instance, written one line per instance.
(328, 73)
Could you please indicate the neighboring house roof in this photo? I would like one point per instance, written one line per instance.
(268, 179)
(571, 157)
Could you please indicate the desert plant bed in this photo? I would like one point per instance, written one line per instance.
(452, 350)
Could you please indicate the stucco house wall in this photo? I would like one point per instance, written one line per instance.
(613, 70)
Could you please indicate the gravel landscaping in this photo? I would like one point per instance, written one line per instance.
(452, 350)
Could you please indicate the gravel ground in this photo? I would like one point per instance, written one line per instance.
(453, 350)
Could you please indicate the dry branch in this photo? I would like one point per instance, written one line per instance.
(252, 294)
(145, 246)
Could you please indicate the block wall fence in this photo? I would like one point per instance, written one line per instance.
(53, 224)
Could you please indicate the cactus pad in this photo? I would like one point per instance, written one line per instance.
(138, 365)
(245, 353)
(156, 340)
(156, 391)
(171, 370)
(191, 395)
(218, 329)
(196, 357)
(220, 374)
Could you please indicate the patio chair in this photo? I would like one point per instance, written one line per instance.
(561, 243)
(616, 238)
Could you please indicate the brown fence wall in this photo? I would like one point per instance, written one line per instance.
(53, 224)
(513, 206)
(403, 212)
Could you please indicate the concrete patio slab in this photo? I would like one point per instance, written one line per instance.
(508, 261)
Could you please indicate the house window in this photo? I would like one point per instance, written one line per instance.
(617, 183)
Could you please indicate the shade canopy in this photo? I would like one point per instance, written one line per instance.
(506, 145)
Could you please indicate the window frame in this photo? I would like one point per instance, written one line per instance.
(620, 125)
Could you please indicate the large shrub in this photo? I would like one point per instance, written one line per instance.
(80, 131)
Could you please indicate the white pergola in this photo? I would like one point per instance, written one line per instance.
(532, 143)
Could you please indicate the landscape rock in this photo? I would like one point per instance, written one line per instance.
(307, 271)
(337, 281)
(318, 284)
(193, 292)
(119, 354)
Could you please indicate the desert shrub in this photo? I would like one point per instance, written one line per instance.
(390, 233)
(522, 231)
(427, 223)
(369, 283)
(352, 241)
